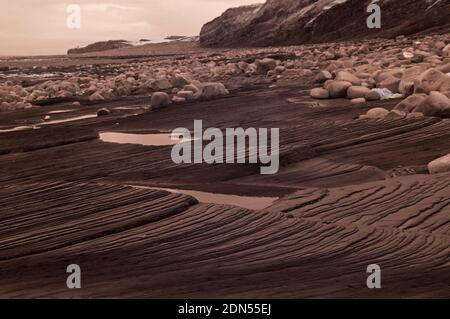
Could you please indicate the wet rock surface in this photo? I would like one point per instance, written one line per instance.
(358, 182)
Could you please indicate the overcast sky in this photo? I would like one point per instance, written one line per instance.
(31, 27)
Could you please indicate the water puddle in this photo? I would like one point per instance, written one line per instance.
(19, 128)
(70, 119)
(254, 203)
(159, 139)
(61, 111)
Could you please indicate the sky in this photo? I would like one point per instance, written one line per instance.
(39, 27)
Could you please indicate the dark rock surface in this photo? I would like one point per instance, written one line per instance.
(286, 22)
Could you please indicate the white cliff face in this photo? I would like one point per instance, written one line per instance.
(285, 22)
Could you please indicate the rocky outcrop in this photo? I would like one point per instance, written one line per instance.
(285, 22)
(101, 46)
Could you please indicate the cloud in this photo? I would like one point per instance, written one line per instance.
(39, 26)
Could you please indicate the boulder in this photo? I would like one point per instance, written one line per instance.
(337, 89)
(372, 96)
(96, 97)
(160, 99)
(188, 95)
(213, 89)
(161, 84)
(265, 65)
(430, 80)
(395, 115)
(348, 77)
(178, 81)
(409, 77)
(411, 102)
(358, 100)
(377, 113)
(391, 83)
(178, 99)
(319, 93)
(440, 165)
(355, 92)
(323, 76)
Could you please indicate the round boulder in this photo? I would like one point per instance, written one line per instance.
(338, 89)
(355, 92)
(159, 100)
(319, 93)
(377, 113)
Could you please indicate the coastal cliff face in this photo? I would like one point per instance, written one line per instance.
(286, 22)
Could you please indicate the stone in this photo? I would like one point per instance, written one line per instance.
(348, 77)
(430, 80)
(355, 92)
(319, 93)
(178, 81)
(96, 97)
(159, 100)
(410, 103)
(414, 115)
(161, 84)
(438, 101)
(323, 76)
(103, 112)
(178, 99)
(372, 96)
(358, 100)
(338, 89)
(409, 76)
(391, 83)
(377, 113)
(213, 89)
(265, 65)
(395, 115)
(440, 165)
(280, 69)
(188, 95)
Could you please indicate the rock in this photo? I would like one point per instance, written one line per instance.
(395, 115)
(213, 89)
(178, 81)
(323, 76)
(265, 65)
(408, 78)
(438, 101)
(188, 95)
(161, 84)
(391, 83)
(434, 104)
(411, 102)
(178, 99)
(337, 89)
(358, 100)
(430, 80)
(377, 113)
(348, 77)
(96, 97)
(440, 165)
(280, 69)
(103, 112)
(372, 96)
(414, 115)
(355, 92)
(160, 99)
(319, 93)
